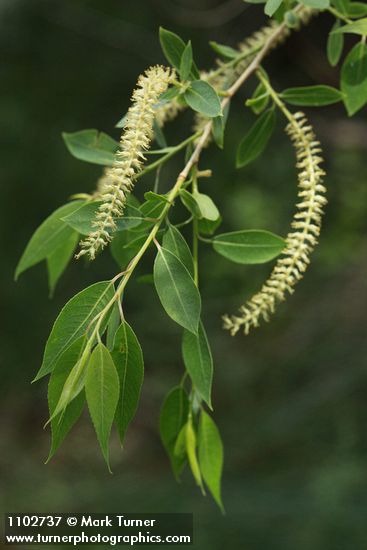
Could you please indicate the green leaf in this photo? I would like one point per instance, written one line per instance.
(168, 95)
(153, 209)
(341, 5)
(219, 125)
(312, 96)
(91, 146)
(122, 122)
(74, 384)
(128, 359)
(171, 421)
(50, 235)
(249, 246)
(357, 9)
(82, 219)
(207, 227)
(223, 50)
(271, 6)
(207, 208)
(211, 456)
(335, 45)
(102, 392)
(125, 245)
(191, 444)
(112, 326)
(175, 243)
(199, 362)
(186, 62)
(151, 195)
(190, 203)
(259, 99)
(202, 97)
(317, 4)
(173, 47)
(354, 78)
(62, 423)
(200, 205)
(176, 290)
(159, 135)
(58, 260)
(73, 321)
(255, 141)
(357, 27)
(179, 450)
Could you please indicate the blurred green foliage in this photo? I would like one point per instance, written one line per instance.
(290, 399)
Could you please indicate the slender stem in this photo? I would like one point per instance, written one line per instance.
(233, 62)
(275, 97)
(195, 233)
(339, 15)
(156, 181)
(166, 157)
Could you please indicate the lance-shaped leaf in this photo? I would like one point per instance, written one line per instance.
(128, 359)
(199, 362)
(335, 44)
(59, 259)
(317, 4)
(175, 243)
(177, 291)
(223, 50)
(312, 96)
(74, 384)
(211, 456)
(172, 419)
(173, 47)
(91, 146)
(50, 236)
(356, 9)
(112, 326)
(202, 97)
(102, 392)
(218, 127)
(62, 423)
(259, 100)
(255, 141)
(354, 78)
(186, 62)
(191, 445)
(249, 246)
(356, 27)
(82, 219)
(74, 320)
(271, 7)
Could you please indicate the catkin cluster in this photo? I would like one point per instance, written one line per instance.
(118, 180)
(300, 241)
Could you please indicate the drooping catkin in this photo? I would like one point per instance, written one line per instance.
(117, 181)
(300, 241)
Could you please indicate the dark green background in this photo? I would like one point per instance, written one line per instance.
(290, 399)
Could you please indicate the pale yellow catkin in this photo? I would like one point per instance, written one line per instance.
(300, 241)
(118, 181)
